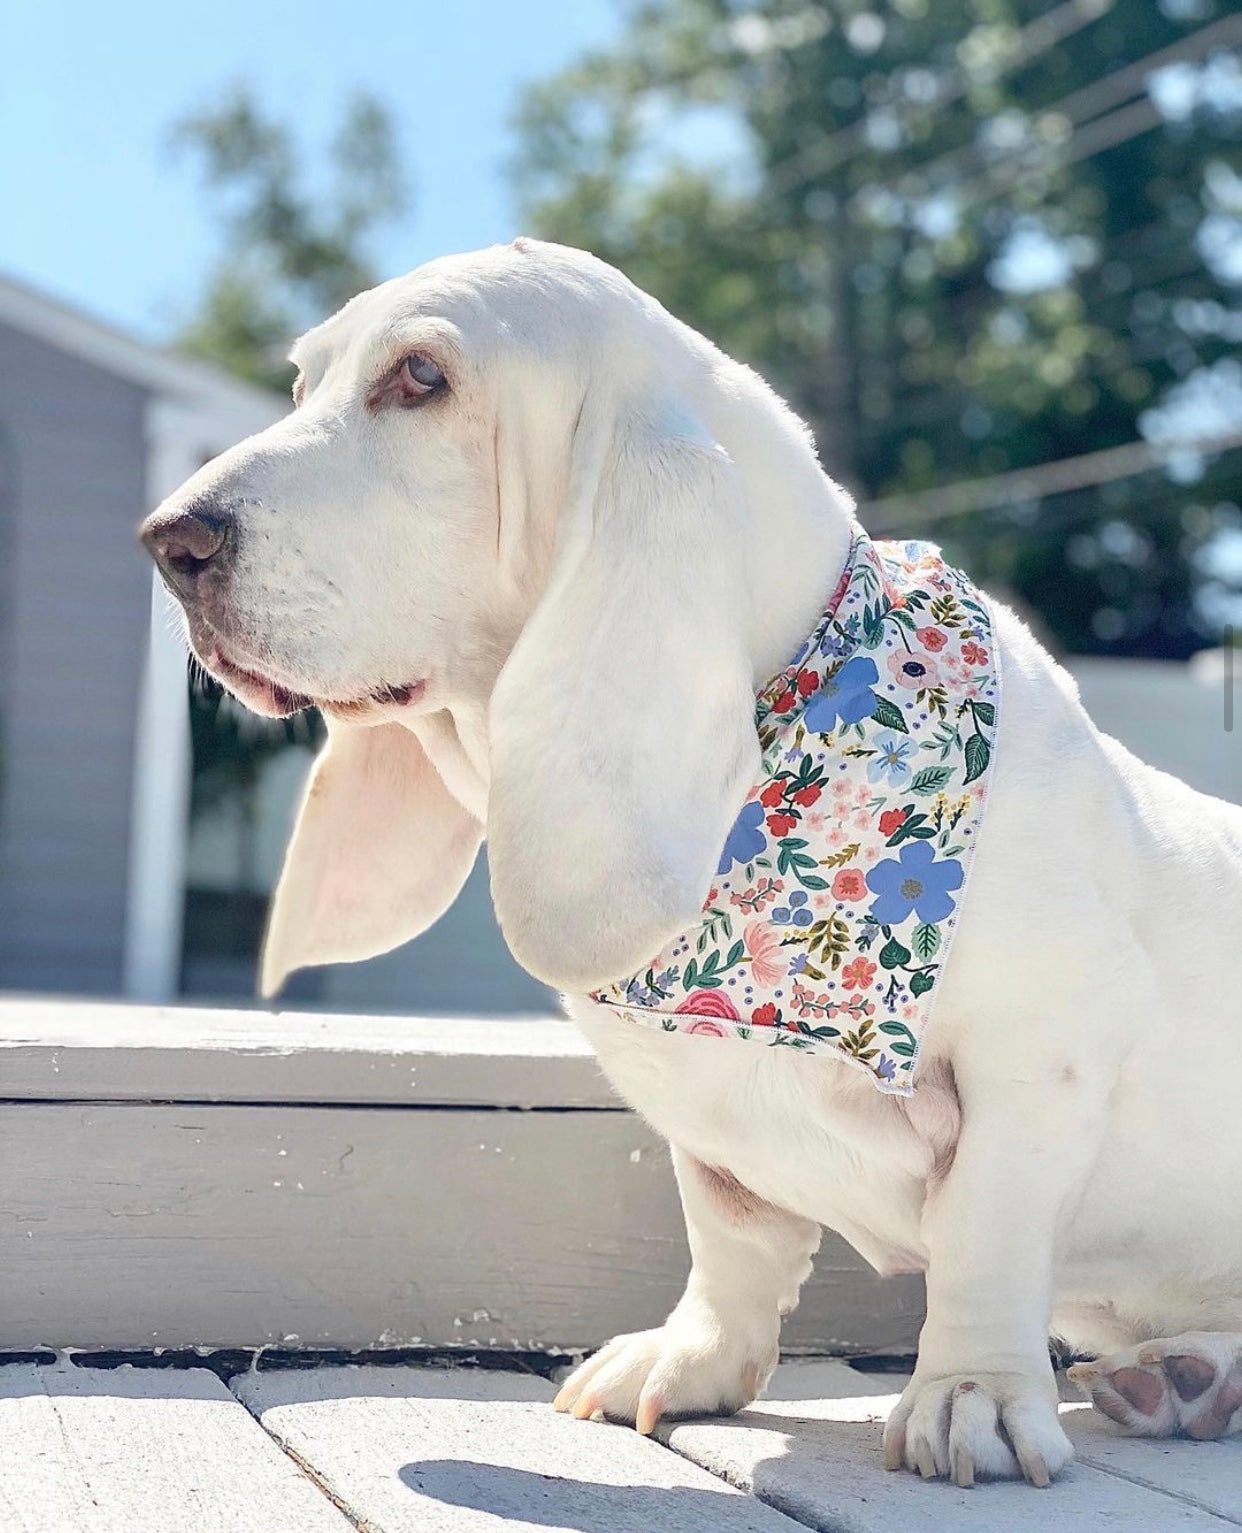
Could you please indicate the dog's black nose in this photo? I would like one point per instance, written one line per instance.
(185, 543)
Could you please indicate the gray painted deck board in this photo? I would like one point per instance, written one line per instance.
(435, 1451)
(139, 1226)
(818, 1458)
(144, 1451)
(60, 1049)
(1211, 1473)
(185, 1177)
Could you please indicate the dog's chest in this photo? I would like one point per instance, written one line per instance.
(806, 1134)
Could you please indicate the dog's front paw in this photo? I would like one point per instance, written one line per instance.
(686, 1367)
(978, 1425)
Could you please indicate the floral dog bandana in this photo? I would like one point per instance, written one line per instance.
(840, 884)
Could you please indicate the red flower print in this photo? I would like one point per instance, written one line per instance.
(808, 796)
(772, 795)
(766, 1016)
(781, 824)
(849, 884)
(974, 654)
(808, 682)
(931, 638)
(709, 1003)
(784, 702)
(858, 974)
(890, 820)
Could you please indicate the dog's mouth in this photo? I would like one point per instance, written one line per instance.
(263, 695)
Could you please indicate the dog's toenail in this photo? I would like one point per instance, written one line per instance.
(1143, 1391)
(1190, 1376)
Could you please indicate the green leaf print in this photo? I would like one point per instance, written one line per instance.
(930, 780)
(893, 955)
(890, 715)
(978, 754)
(926, 940)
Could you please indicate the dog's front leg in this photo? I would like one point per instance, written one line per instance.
(718, 1348)
(983, 1398)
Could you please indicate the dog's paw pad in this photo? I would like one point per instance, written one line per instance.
(1189, 1385)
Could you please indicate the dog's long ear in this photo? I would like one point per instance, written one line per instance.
(380, 851)
(622, 726)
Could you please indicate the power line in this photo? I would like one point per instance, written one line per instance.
(1090, 101)
(1036, 37)
(893, 512)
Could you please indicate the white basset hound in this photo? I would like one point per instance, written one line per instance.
(534, 547)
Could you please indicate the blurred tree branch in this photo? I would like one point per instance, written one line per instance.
(965, 239)
(292, 254)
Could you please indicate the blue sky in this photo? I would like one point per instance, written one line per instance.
(95, 209)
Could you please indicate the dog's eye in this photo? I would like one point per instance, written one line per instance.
(421, 375)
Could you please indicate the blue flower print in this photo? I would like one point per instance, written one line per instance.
(892, 758)
(914, 881)
(846, 697)
(885, 1068)
(746, 839)
(796, 913)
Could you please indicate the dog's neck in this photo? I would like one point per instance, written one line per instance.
(801, 542)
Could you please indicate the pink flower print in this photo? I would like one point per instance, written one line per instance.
(708, 1003)
(835, 837)
(931, 638)
(815, 821)
(753, 900)
(767, 962)
(916, 672)
(706, 1026)
(974, 654)
(849, 884)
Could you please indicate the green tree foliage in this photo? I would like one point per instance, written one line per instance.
(294, 249)
(964, 237)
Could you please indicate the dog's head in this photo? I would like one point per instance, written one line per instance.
(506, 541)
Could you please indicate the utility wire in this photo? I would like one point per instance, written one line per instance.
(1055, 478)
(1036, 37)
